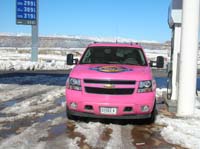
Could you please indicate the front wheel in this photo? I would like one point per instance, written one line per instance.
(69, 115)
(153, 115)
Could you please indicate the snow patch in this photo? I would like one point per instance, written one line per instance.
(91, 131)
(27, 139)
(27, 65)
(116, 137)
(17, 117)
(58, 120)
(182, 131)
(34, 104)
(32, 137)
(160, 92)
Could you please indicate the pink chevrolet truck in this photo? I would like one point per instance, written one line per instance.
(113, 81)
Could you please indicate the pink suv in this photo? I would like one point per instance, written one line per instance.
(112, 81)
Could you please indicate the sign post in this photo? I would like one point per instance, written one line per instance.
(34, 51)
(27, 14)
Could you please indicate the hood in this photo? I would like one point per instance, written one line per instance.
(111, 72)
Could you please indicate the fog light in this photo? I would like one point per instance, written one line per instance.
(145, 108)
(88, 107)
(73, 105)
(128, 109)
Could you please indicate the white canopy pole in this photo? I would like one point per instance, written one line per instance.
(188, 58)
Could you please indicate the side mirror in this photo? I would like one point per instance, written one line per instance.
(71, 60)
(160, 62)
(153, 64)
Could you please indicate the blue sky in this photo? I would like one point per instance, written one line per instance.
(136, 19)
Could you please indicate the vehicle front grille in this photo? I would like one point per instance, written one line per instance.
(110, 81)
(115, 91)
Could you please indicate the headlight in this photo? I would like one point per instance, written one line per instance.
(74, 84)
(145, 86)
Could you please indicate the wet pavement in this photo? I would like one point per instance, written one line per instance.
(57, 131)
(143, 136)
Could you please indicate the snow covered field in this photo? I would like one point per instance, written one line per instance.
(49, 59)
(32, 112)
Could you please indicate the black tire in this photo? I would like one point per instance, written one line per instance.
(153, 115)
(69, 115)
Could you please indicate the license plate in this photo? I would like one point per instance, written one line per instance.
(107, 110)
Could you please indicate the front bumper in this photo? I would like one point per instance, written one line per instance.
(91, 115)
(135, 101)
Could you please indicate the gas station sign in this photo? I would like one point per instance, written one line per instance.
(26, 12)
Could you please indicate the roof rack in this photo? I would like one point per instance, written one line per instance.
(131, 43)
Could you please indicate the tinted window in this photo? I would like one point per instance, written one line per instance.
(113, 55)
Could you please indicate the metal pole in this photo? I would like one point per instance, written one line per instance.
(188, 58)
(34, 51)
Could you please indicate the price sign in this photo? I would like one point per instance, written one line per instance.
(26, 12)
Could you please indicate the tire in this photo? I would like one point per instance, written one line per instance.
(153, 115)
(69, 115)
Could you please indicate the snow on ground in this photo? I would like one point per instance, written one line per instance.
(27, 139)
(36, 103)
(17, 117)
(120, 134)
(12, 59)
(32, 91)
(182, 131)
(27, 65)
(19, 91)
(87, 129)
(29, 96)
(26, 115)
(33, 136)
(160, 92)
(152, 54)
(115, 142)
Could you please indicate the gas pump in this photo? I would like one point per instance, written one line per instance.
(174, 21)
(182, 81)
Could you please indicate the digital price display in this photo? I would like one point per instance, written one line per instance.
(26, 12)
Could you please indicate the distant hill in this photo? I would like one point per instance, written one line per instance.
(24, 41)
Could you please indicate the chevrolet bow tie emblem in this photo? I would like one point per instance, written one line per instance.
(109, 86)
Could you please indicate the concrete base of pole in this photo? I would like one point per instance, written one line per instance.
(171, 105)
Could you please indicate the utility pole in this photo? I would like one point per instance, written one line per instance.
(188, 58)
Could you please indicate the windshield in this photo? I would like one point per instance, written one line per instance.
(114, 55)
